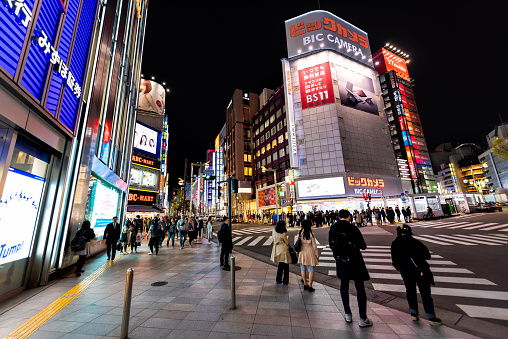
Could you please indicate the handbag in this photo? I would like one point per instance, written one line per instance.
(139, 237)
(298, 245)
(292, 253)
(119, 246)
(123, 237)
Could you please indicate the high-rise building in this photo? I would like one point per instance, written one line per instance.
(495, 161)
(405, 126)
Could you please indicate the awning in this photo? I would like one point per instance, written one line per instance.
(144, 209)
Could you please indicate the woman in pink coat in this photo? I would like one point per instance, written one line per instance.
(309, 254)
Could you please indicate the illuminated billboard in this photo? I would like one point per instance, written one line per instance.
(147, 140)
(152, 96)
(266, 197)
(356, 90)
(316, 87)
(321, 187)
(323, 30)
(386, 61)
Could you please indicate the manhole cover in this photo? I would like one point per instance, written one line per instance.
(159, 283)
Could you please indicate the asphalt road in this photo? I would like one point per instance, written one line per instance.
(469, 262)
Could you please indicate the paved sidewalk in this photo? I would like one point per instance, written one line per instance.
(195, 303)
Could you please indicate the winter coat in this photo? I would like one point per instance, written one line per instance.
(225, 236)
(280, 251)
(404, 248)
(309, 252)
(355, 268)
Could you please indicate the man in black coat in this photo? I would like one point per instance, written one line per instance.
(112, 235)
(346, 241)
(409, 257)
(227, 244)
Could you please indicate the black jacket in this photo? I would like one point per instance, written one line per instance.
(225, 236)
(404, 248)
(355, 269)
(112, 234)
(88, 234)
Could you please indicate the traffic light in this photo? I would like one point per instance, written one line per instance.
(234, 185)
(209, 177)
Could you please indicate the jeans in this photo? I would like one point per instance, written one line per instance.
(282, 273)
(183, 235)
(361, 296)
(224, 256)
(411, 281)
(171, 235)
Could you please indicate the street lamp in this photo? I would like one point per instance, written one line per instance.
(276, 192)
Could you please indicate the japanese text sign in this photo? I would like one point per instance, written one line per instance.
(316, 86)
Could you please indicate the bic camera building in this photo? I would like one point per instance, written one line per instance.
(66, 121)
(339, 142)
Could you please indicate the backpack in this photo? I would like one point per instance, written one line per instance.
(219, 236)
(342, 246)
(79, 242)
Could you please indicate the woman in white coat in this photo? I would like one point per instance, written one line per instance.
(309, 255)
(280, 252)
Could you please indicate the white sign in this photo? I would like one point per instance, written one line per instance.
(19, 207)
(321, 187)
(244, 190)
(290, 113)
(20, 10)
(145, 139)
(105, 207)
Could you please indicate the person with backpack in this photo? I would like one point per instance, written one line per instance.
(409, 257)
(280, 252)
(85, 234)
(308, 256)
(346, 241)
(224, 237)
(182, 226)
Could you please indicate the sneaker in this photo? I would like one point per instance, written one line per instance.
(434, 321)
(414, 317)
(364, 323)
(311, 289)
(150, 253)
(349, 318)
(306, 287)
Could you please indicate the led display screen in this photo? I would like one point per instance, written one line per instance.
(266, 197)
(356, 90)
(147, 140)
(144, 178)
(321, 187)
(104, 206)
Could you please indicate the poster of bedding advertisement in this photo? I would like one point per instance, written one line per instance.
(356, 90)
(19, 207)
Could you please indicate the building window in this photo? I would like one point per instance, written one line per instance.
(263, 162)
(257, 132)
(274, 156)
(274, 130)
(285, 122)
(268, 146)
(281, 139)
(258, 153)
(272, 118)
(247, 171)
(268, 159)
(262, 139)
(267, 135)
(274, 143)
(279, 113)
(262, 150)
(271, 107)
(267, 123)
(261, 128)
(277, 102)
(257, 143)
(279, 126)
(286, 135)
(282, 153)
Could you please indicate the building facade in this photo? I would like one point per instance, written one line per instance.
(494, 165)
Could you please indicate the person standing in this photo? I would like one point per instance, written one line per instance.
(88, 233)
(346, 241)
(182, 226)
(409, 257)
(192, 232)
(124, 236)
(209, 230)
(397, 211)
(112, 235)
(280, 252)
(408, 213)
(171, 227)
(308, 256)
(136, 228)
(224, 237)
(155, 235)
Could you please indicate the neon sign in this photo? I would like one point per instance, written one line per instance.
(365, 182)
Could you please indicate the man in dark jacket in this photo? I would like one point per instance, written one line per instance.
(346, 241)
(112, 235)
(227, 244)
(409, 257)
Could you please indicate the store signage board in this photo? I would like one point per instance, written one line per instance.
(322, 30)
(137, 197)
(144, 161)
(290, 113)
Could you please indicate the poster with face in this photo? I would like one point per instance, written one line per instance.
(152, 97)
(147, 140)
(356, 90)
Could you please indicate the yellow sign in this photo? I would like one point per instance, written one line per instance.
(217, 143)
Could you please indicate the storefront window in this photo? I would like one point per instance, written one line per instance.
(102, 205)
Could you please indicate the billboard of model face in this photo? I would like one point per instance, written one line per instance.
(152, 96)
(147, 140)
(356, 90)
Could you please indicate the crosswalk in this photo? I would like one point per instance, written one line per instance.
(464, 239)
(463, 225)
(451, 280)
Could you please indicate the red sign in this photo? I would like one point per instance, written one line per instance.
(366, 182)
(402, 121)
(291, 176)
(386, 61)
(316, 86)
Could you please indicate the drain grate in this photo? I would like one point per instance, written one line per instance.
(159, 283)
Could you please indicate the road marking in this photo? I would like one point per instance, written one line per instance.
(433, 269)
(258, 239)
(430, 240)
(435, 256)
(484, 225)
(450, 292)
(459, 225)
(456, 280)
(505, 230)
(491, 238)
(430, 262)
(235, 239)
(452, 239)
(376, 250)
(451, 224)
(484, 242)
(243, 241)
(268, 241)
(494, 227)
(485, 312)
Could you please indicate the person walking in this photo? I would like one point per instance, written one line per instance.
(193, 230)
(346, 241)
(308, 256)
(280, 252)
(112, 235)
(209, 230)
(224, 237)
(124, 236)
(86, 232)
(171, 227)
(182, 226)
(136, 233)
(409, 257)
(155, 234)
(397, 212)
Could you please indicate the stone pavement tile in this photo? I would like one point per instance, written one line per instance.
(185, 334)
(94, 329)
(210, 308)
(329, 324)
(276, 305)
(237, 318)
(302, 332)
(273, 312)
(331, 309)
(409, 336)
(13, 322)
(80, 316)
(214, 302)
(108, 319)
(179, 307)
(324, 333)
(389, 319)
(224, 335)
(147, 313)
(61, 326)
(166, 314)
(261, 336)
(242, 310)
(78, 336)
(208, 316)
(401, 329)
(148, 332)
(40, 334)
(196, 325)
(161, 323)
(298, 313)
(272, 320)
(274, 330)
(376, 328)
(232, 327)
(369, 334)
(325, 315)
(300, 322)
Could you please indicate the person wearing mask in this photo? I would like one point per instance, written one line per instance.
(409, 257)
(86, 232)
(280, 252)
(346, 241)
(183, 227)
(308, 256)
(112, 235)
(224, 237)
(209, 230)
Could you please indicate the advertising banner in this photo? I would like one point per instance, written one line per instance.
(144, 161)
(386, 61)
(356, 91)
(266, 197)
(143, 178)
(152, 97)
(316, 87)
(418, 142)
(359, 184)
(104, 208)
(320, 187)
(323, 30)
(147, 140)
(290, 113)
(19, 207)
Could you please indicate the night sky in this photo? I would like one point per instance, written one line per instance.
(204, 51)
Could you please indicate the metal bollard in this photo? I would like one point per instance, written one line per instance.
(233, 285)
(127, 304)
